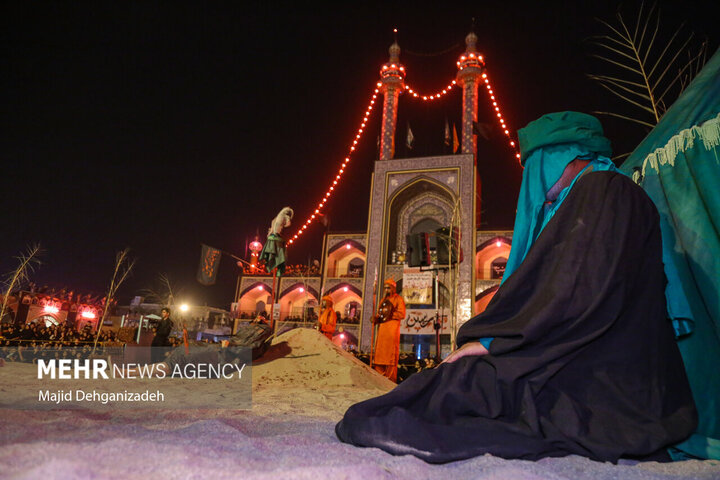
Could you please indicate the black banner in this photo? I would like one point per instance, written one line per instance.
(209, 264)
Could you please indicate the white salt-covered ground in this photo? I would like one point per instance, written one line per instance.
(300, 390)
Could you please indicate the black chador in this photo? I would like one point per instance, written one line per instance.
(583, 359)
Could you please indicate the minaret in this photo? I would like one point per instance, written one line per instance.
(392, 76)
(470, 68)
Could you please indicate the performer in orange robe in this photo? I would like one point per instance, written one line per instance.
(328, 317)
(387, 340)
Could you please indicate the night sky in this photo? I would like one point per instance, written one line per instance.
(161, 126)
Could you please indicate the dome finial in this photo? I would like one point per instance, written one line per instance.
(471, 42)
(394, 48)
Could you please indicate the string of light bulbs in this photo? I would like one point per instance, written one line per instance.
(493, 100)
(499, 115)
(337, 178)
(364, 121)
(434, 96)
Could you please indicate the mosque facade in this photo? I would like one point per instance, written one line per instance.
(409, 197)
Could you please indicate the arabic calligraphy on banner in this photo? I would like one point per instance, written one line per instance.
(421, 322)
(417, 287)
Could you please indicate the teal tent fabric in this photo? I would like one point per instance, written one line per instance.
(678, 165)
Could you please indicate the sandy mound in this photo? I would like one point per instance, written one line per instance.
(305, 357)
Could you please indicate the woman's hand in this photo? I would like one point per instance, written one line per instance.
(470, 348)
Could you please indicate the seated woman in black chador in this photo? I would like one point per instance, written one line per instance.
(574, 354)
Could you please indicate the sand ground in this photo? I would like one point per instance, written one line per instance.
(300, 389)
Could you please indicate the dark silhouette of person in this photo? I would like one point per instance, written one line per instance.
(162, 334)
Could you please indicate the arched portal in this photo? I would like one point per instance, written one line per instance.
(294, 299)
(344, 296)
(344, 258)
(491, 258)
(254, 297)
(424, 205)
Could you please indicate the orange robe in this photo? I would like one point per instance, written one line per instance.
(387, 340)
(327, 320)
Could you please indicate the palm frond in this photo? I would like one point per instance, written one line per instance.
(614, 30)
(637, 104)
(597, 38)
(660, 57)
(647, 22)
(619, 52)
(27, 261)
(688, 70)
(625, 117)
(123, 267)
(672, 62)
(630, 48)
(601, 78)
(618, 84)
(652, 40)
(621, 65)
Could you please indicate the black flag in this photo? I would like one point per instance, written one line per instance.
(482, 129)
(209, 264)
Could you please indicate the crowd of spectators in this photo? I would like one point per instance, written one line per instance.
(314, 318)
(290, 270)
(65, 295)
(31, 341)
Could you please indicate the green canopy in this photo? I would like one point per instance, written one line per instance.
(678, 165)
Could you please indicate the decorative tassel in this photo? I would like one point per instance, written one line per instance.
(708, 132)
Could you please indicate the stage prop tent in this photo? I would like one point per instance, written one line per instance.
(678, 165)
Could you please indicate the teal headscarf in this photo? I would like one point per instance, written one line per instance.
(547, 146)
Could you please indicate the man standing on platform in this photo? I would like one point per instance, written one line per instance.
(162, 334)
(387, 340)
(328, 317)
